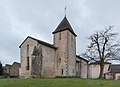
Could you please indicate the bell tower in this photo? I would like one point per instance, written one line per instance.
(65, 41)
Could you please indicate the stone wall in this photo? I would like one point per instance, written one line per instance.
(81, 68)
(61, 44)
(84, 69)
(94, 70)
(66, 53)
(7, 70)
(40, 65)
(23, 57)
(117, 76)
(14, 70)
(109, 76)
(48, 61)
(71, 54)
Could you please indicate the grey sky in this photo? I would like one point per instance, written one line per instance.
(38, 18)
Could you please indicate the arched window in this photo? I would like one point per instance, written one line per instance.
(60, 36)
(59, 60)
(71, 37)
(62, 72)
(27, 49)
(27, 67)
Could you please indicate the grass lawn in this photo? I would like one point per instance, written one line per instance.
(58, 82)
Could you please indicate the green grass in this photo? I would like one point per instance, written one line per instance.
(58, 82)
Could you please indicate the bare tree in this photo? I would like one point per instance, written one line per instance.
(102, 48)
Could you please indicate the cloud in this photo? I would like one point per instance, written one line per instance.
(39, 18)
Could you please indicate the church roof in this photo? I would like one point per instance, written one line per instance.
(82, 58)
(16, 63)
(98, 62)
(39, 41)
(64, 25)
(114, 68)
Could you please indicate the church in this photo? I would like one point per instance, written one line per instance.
(42, 59)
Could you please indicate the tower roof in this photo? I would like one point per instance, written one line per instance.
(64, 25)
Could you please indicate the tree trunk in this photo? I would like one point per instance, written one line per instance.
(101, 70)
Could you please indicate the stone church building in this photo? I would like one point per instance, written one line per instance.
(41, 59)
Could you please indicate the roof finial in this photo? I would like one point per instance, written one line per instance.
(65, 10)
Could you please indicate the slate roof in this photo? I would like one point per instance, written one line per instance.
(64, 25)
(8, 65)
(82, 58)
(92, 63)
(114, 68)
(16, 63)
(39, 41)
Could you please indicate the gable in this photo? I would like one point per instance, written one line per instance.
(39, 41)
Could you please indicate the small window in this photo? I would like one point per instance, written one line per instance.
(59, 60)
(60, 36)
(71, 37)
(27, 49)
(27, 67)
(62, 72)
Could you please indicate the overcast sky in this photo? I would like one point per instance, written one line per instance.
(39, 18)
